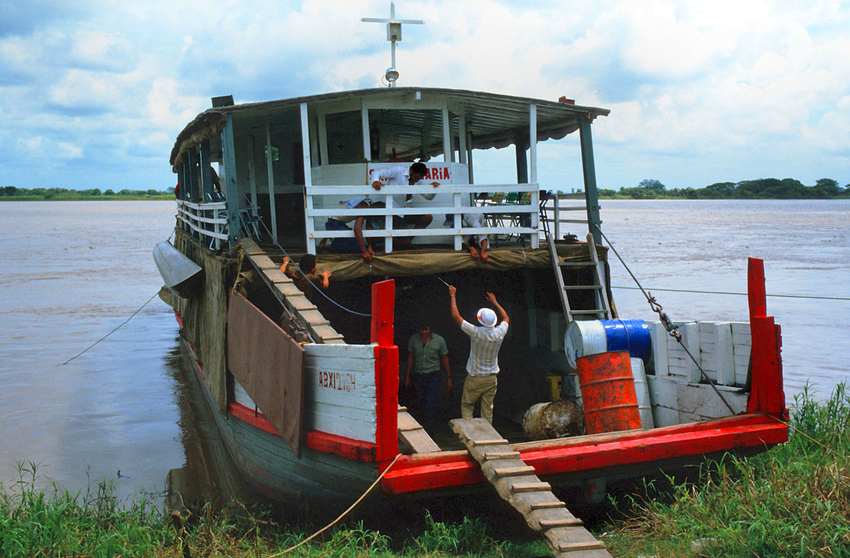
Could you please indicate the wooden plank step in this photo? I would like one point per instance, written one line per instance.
(493, 442)
(413, 435)
(407, 422)
(548, 505)
(576, 546)
(501, 455)
(513, 471)
(510, 476)
(530, 487)
(565, 522)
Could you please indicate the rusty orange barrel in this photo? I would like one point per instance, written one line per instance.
(608, 392)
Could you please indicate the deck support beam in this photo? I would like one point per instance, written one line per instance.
(591, 193)
(231, 189)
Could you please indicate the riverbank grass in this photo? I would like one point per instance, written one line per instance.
(791, 501)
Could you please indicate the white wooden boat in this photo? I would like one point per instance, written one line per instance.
(306, 393)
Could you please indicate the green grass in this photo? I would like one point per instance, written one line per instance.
(791, 501)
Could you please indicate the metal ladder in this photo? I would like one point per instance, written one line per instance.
(602, 308)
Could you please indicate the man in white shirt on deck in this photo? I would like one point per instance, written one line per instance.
(401, 176)
(483, 364)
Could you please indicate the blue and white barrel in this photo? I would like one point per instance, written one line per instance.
(590, 337)
(584, 338)
(629, 335)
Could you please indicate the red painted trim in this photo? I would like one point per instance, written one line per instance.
(756, 294)
(386, 369)
(179, 319)
(252, 417)
(595, 454)
(383, 312)
(766, 391)
(356, 450)
(386, 401)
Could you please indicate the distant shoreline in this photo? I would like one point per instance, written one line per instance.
(164, 197)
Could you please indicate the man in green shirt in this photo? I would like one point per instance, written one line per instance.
(425, 352)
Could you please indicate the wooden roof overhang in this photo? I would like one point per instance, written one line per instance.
(492, 120)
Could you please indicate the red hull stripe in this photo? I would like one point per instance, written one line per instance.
(356, 450)
(748, 431)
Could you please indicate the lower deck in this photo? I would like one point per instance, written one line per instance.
(353, 384)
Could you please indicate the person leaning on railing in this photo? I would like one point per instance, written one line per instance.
(400, 176)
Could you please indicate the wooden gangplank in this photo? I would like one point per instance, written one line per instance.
(518, 485)
(412, 437)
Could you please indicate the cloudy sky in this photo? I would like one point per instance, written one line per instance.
(93, 93)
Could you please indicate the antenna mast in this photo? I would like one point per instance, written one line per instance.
(393, 35)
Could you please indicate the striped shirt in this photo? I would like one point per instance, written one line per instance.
(484, 348)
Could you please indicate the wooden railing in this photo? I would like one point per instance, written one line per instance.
(208, 221)
(520, 219)
(520, 216)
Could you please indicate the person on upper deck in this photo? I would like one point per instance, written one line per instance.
(476, 244)
(304, 275)
(483, 364)
(400, 176)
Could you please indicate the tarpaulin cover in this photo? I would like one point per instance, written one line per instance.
(269, 364)
(408, 263)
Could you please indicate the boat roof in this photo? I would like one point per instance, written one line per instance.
(493, 120)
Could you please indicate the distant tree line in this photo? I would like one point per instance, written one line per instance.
(762, 188)
(64, 193)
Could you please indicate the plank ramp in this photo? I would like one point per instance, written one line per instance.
(412, 437)
(518, 485)
(305, 312)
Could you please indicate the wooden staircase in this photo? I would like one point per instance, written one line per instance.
(602, 306)
(307, 314)
(517, 484)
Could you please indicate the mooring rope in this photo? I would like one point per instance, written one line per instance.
(839, 298)
(111, 332)
(665, 320)
(338, 519)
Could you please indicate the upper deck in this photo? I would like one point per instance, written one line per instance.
(290, 162)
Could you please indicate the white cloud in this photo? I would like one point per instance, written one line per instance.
(699, 91)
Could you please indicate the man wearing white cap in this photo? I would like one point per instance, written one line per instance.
(483, 364)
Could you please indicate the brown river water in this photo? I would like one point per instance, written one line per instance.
(121, 410)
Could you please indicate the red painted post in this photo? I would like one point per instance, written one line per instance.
(386, 369)
(383, 312)
(766, 392)
(755, 288)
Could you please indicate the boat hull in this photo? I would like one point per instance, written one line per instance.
(270, 465)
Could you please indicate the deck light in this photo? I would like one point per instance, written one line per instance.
(391, 75)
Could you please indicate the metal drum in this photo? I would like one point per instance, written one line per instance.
(608, 392)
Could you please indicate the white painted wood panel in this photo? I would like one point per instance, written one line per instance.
(341, 392)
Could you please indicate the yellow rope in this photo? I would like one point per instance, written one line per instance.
(338, 519)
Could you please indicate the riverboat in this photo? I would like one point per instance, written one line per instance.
(306, 391)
